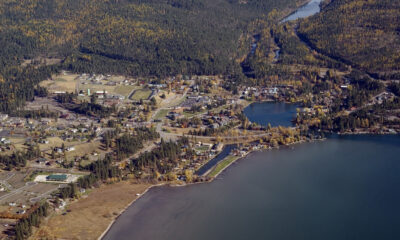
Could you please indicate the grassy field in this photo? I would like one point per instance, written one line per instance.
(85, 148)
(53, 142)
(60, 79)
(141, 94)
(90, 216)
(81, 148)
(202, 148)
(124, 90)
(61, 83)
(69, 83)
(189, 114)
(221, 165)
(161, 114)
(218, 109)
(84, 163)
(18, 144)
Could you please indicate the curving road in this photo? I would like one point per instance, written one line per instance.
(18, 190)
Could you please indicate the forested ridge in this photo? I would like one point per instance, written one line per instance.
(170, 37)
(365, 34)
(130, 37)
(158, 37)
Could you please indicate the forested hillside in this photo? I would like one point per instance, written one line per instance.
(132, 37)
(140, 37)
(363, 33)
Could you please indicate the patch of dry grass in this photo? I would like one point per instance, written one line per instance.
(90, 216)
(61, 83)
(141, 94)
(124, 90)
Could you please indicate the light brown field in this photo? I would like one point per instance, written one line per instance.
(84, 148)
(61, 83)
(53, 142)
(141, 94)
(90, 216)
(17, 143)
(68, 83)
(124, 90)
(81, 148)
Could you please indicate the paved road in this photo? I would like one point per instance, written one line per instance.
(5, 183)
(16, 191)
(372, 101)
(169, 105)
(172, 135)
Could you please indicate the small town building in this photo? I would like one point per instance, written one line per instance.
(57, 177)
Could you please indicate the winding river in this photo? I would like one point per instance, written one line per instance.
(306, 10)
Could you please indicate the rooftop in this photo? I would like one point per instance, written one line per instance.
(56, 177)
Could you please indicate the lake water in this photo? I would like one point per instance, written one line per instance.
(277, 114)
(307, 10)
(342, 188)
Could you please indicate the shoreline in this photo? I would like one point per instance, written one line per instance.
(223, 169)
(247, 103)
(367, 133)
(215, 177)
(188, 184)
(125, 208)
(302, 4)
(293, 10)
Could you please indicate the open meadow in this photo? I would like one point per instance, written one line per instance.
(90, 216)
(141, 94)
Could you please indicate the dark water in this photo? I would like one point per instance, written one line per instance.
(277, 114)
(223, 154)
(342, 188)
(307, 10)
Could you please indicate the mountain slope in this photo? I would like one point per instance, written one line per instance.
(158, 37)
(363, 33)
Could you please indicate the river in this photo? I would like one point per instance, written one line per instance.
(306, 10)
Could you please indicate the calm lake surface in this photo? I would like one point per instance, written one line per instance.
(277, 114)
(307, 10)
(342, 188)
